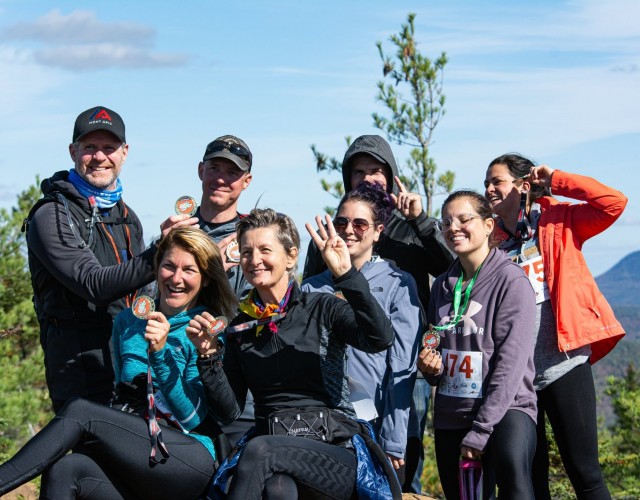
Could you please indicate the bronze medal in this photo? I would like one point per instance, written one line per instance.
(339, 294)
(186, 205)
(143, 306)
(217, 326)
(431, 338)
(233, 251)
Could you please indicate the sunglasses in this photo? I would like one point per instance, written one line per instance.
(235, 149)
(360, 226)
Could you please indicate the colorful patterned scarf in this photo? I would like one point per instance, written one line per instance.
(254, 307)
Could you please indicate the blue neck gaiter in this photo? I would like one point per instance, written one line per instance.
(104, 199)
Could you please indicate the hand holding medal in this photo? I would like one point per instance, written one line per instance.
(157, 328)
(217, 326)
(203, 331)
(156, 333)
(430, 360)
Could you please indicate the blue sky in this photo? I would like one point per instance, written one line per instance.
(555, 80)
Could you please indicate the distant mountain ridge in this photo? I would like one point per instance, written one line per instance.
(621, 284)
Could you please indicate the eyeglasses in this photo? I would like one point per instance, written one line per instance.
(360, 226)
(461, 221)
(235, 149)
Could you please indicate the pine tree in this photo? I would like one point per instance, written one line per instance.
(412, 119)
(24, 401)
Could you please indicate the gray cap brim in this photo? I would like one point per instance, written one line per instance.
(239, 162)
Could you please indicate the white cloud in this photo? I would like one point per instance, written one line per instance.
(92, 57)
(77, 27)
(79, 41)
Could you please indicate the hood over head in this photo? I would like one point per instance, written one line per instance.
(376, 147)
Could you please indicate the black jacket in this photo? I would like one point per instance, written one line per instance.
(415, 246)
(78, 287)
(304, 363)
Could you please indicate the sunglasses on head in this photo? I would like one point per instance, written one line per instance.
(360, 226)
(235, 149)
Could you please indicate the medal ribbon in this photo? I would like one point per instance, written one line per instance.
(523, 227)
(259, 322)
(155, 433)
(458, 311)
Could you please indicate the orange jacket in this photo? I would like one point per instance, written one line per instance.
(583, 315)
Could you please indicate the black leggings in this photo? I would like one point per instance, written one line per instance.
(318, 470)
(110, 459)
(570, 405)
(506, 461)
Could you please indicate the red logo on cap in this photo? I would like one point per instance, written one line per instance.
(100, 115)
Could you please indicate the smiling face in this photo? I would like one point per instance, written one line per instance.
(222, 183)
(469, 237)
(179, 281)
(265, 262)
(502, 191)
(360, 244)
(98, 158)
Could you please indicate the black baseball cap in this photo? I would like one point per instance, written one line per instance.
(98, 118)
(232, 148)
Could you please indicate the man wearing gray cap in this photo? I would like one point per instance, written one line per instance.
(225, 172)
(86, 259)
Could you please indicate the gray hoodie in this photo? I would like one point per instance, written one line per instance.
(387, 376)
(488, 357)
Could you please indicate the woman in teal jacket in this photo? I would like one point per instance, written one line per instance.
(112, 458)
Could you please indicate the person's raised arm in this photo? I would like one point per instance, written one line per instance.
(360, 320)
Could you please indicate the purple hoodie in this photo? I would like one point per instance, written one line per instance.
(489, 357)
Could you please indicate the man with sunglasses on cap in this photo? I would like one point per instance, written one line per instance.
(225, 172)
(411, 240)
(87, 258)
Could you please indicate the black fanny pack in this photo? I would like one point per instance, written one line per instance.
(319, 424)
(307, 423)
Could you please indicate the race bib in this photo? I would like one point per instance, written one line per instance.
(163, 406)
(534, 269)
(462, 376)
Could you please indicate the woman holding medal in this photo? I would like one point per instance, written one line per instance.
(575, 326)
(387, 376)
(481, 316)
(112, 447)
(289, 348)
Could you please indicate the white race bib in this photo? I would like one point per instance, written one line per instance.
(163, 406)
(534, 269)
(462, 377)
